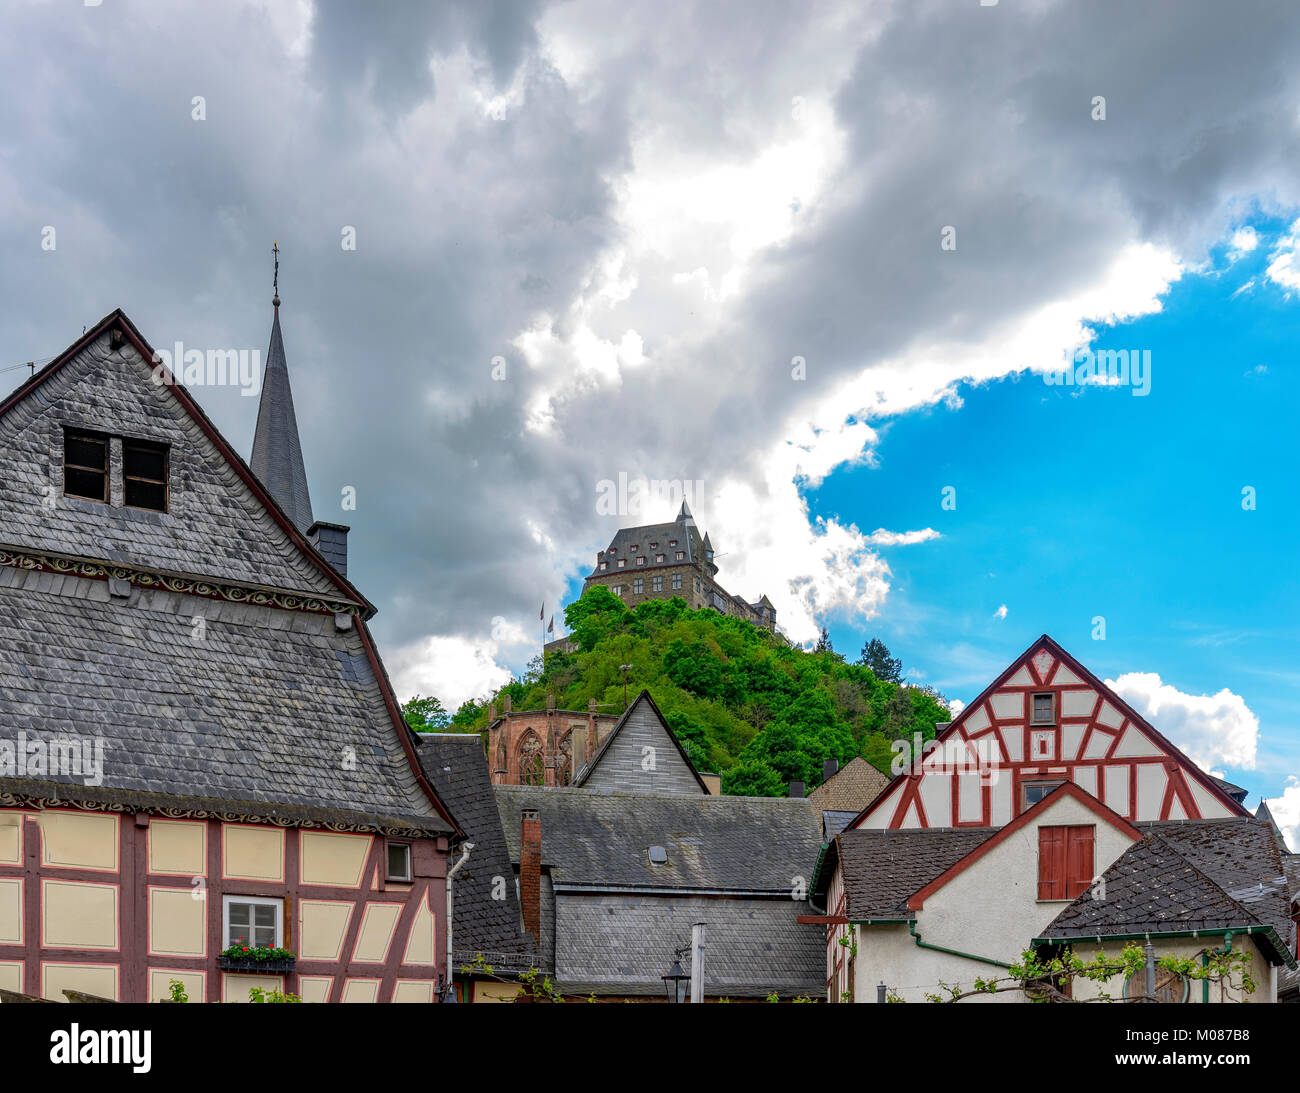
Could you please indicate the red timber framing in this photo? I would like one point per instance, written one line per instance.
(1093, 738)
(130, 956)
(916, 901)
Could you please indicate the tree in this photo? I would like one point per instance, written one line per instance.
(824, 642)
(753, 778)
(1045, 978)
(875, 655)
(426, 714)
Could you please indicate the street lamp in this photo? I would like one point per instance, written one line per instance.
(625, 668)
(677, 982)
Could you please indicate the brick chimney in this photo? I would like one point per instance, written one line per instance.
(530, 872)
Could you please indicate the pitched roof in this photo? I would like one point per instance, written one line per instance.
(456, 765)
(1184, 876)
(1211, 784)
(1265, 813)
(851, 788)
(601, 841)
(882, 868)
(250, 540)
(266, 711)
(642, 703)
(277, 449)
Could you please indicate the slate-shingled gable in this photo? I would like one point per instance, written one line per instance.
(610, 918)
(251, 711)
(457, 767)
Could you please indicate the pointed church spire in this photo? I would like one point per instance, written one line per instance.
(685, 517)
(277, 451)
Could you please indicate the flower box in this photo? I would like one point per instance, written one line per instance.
(245, 964)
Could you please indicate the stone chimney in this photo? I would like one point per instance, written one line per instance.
(578, 748)
(506, 704)
(796, 789)
(829, 767)
(530, 872)
(332, 541)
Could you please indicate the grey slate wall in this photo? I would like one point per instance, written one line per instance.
(215, 527)
(642, 758)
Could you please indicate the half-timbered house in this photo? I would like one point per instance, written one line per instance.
(199, 747)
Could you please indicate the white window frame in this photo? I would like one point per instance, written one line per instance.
(257, 901)
(410, 862)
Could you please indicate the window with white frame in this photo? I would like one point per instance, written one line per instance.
(255, 921)
(399, 861)
(638, 586)
(677, 581)
(656, 584)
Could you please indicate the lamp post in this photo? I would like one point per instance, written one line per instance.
(677, 982)
(625, 668)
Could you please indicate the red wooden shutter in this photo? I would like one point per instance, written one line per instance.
(1051, 863)
(1078, 860)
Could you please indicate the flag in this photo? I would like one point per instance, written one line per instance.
(542, 613)
(551, 629)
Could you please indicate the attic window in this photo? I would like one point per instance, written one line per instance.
(658, 855)
(144, 474)
(672, 542)
(1043, 710)
(85, 465)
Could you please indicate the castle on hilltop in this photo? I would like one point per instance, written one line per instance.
(660, 561)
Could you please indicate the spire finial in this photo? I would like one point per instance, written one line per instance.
(275, 283)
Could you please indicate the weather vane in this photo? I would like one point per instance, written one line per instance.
(275, 282)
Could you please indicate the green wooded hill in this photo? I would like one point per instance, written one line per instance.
(745, 704)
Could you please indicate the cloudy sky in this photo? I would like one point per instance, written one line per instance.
(820, 259)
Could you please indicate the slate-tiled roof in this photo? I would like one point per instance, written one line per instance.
(1187, 875)
(834, 822)
(883, 868)
(277, 449)
(623, 944)
(851, 788)
(268, 707)
(200, 702)
(755, 844)
(456, 766)
(610, 919)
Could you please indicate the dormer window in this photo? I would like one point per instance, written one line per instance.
(85, 465)
(681, 555)
(622, 562)
(1043, 711)
(144, 475)
(641, 560)
(604, 566)
(88, 470)
(672, 542)
(659, 557)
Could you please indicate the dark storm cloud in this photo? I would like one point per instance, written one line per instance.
(470, 226)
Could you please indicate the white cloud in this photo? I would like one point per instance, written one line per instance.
(1243, 241)
(881, 537)
(451, 668)
(955, 707)
(1284, 260)
(1286, 811)
(1001, 612)
(1211, 729)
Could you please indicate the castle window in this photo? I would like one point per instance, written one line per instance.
(638, 586)
(656, 584)
(85, 465)
(604, 566)
(672, 542)
(622, 562)
(659, 557)
(641, 560)
(681, 555)
(618, 590)
(144, 473)
(677, 581)
(532, 770)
